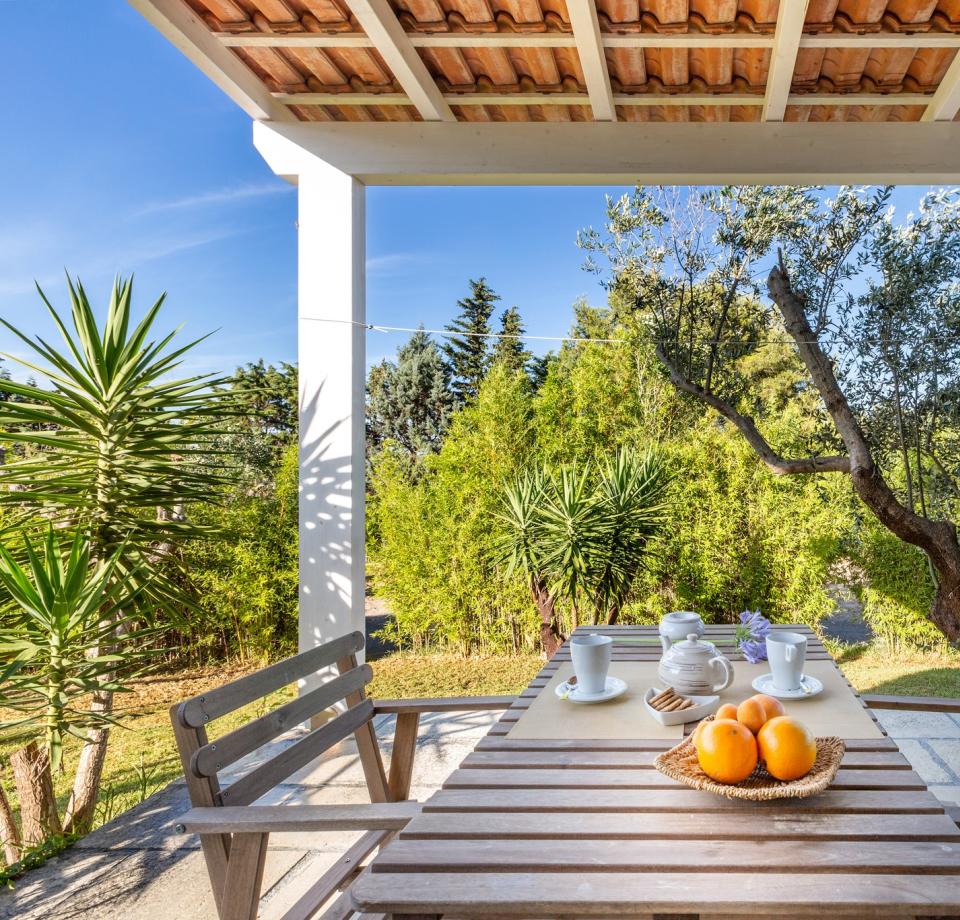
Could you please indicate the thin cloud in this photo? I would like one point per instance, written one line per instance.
(394, 263)
(218, 196)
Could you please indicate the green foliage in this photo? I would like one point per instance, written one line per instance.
(71, 632)
(584, 532)
(734, 534)
(431, 556)
(738, 537)
(509, 348)
(247, 577)
(410, 402)
(115, 437)
(467, 349)
(898, 588)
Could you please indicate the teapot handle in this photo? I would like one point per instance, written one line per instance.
(727, 672)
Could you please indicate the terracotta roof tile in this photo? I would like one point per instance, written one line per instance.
(549, 69)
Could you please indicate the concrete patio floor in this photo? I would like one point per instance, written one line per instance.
(135, 868)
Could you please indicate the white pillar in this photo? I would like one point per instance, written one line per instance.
(331, 279)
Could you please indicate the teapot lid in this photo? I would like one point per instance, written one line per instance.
(693, 643)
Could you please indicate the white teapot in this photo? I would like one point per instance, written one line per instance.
(695, 667)
(678, 625)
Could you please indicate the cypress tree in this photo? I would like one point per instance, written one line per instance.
(409, 402)
(467, 350)
(509, 349)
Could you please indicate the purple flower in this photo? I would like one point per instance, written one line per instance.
(754, 650)
(750, 634)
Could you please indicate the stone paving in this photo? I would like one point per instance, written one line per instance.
(135, 868)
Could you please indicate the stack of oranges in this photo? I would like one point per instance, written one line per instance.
(730, 745)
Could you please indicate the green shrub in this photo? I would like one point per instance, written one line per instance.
(899, 590)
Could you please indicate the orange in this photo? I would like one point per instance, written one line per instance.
(727, 750)
(756, 710)
(771, 705)
(787, 748)
(727, 711)
(695, 737)
(752, 713)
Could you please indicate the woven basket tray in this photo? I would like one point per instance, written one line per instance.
(680, 763)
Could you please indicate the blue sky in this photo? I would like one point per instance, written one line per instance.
(120, 156)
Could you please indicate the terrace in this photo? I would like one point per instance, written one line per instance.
(346, 94)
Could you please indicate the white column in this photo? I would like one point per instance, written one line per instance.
(332, 372)
(331, 359)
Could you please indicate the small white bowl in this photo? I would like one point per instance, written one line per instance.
(703, 706)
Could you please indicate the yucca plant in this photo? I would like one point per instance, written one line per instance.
(632, 491)
(67, 632)
(519, 548)
(581, 534)
(111, 442)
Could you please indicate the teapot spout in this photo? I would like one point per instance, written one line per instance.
(666, 642)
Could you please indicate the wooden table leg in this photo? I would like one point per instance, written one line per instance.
(404, 750)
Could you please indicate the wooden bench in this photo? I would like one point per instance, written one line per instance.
(234, 832)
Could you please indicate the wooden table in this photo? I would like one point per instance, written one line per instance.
(561, 828)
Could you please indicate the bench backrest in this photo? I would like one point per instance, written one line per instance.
(204, 760)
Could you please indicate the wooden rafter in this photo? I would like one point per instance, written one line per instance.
(634, 99)
(783, 60)
(381, 24)
(843, 40)
(945, 102)
(586, 33)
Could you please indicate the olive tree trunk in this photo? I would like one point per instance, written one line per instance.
(938, 539)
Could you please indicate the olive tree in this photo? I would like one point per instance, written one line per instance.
(871, 306)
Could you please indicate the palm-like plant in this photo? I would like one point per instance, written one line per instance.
(114, 444)
(581, 534)
(519, 547)
(632, 491)
(68, 632)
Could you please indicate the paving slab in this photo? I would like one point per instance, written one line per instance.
(902, 723)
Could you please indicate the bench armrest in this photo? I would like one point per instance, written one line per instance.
(916, 703)
(254, 819)
(445, 704)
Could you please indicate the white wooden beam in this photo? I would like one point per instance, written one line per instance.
(871, 40)
(187, 32)
(608, 153)
(946, 100)
(848, 40)
(381, 24)
(783, 60)
(631, 99)
(586, 33)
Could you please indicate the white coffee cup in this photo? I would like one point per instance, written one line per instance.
(786, 653)
(591, 661)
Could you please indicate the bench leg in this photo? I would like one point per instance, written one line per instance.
(241, 891)
(401, 760)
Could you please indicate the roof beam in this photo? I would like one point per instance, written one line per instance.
(850, 40)
(946, 100)
(607, 153)
(187, 32)
(632, 99)
(783, 60)
(389, 38)
(586, 33)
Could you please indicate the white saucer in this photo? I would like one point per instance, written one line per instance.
(809, 686)
(614, 688)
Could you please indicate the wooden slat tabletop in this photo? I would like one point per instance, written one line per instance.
(562, 828)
